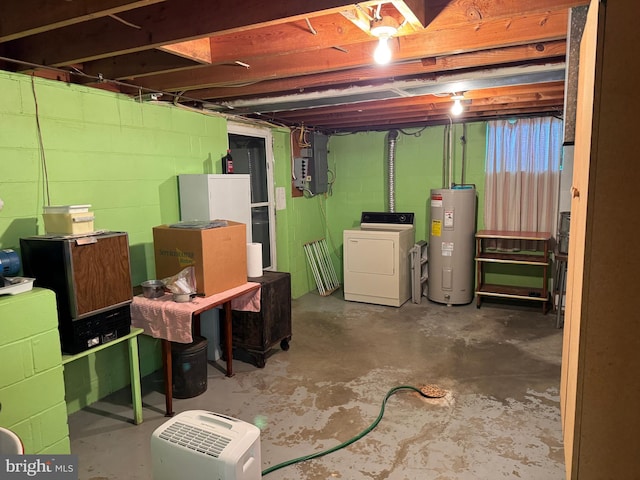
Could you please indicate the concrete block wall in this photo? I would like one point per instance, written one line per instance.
(32, 394)
(122, 157)
(112, 152)
(361, 175)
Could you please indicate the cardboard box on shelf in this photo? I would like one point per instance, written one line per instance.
(219, 255)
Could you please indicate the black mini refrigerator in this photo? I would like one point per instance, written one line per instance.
(91, 277)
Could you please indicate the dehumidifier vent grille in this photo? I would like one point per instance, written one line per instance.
(195, 438)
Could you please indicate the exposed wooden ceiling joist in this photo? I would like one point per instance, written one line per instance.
(201, 52)
(426, 44)
(157, 25)
(368, 74)
(30, 17)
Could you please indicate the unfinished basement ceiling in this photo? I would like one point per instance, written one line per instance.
(296, 62)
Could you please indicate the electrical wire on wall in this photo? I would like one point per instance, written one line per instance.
(330, 182)
(303, 138)
(413, 134)
(293, 172)
(147, 92)
(302, 142)
(301, 134)
(97, 78)
(43, 159)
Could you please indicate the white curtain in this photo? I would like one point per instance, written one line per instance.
(522, 174)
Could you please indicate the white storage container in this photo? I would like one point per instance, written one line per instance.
(68, 223)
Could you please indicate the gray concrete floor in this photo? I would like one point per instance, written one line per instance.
(500, 418)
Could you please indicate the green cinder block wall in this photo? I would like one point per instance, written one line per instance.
(360, 165)
(123, 157)
(32, 397)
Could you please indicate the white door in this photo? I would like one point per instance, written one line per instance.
(252, 153)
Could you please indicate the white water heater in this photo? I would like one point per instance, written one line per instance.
(452, 245)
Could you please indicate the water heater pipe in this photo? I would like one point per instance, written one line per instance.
(391, 172)
(463, 142)
(450, 176)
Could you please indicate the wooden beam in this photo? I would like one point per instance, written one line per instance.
(413, 12)
(145, 63)
(28, 17)
(498, 56)
(418, 118)
(198, 50)
(449, 13)
(522, 30)
(292, 37)
(172, 21)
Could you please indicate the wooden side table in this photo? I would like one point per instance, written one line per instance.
(143, 317)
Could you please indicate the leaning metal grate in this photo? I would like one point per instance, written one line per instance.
(321, 266)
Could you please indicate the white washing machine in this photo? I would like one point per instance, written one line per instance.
(377, 259)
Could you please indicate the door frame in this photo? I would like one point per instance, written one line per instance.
(264, 133)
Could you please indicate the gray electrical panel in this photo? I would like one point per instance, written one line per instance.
(310, 170)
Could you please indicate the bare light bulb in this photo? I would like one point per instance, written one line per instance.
(382, 55)
(456, 109)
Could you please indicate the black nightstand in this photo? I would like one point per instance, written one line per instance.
(256, 333)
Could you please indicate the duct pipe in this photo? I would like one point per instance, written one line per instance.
(445, 155)
(463, 142)
(391, 172)
(450, 176)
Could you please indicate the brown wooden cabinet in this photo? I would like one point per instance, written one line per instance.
(255, 334)
(91, 277)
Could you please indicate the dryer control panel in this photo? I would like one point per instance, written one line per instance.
(387, 217)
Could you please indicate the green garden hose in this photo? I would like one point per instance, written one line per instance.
(350, 441)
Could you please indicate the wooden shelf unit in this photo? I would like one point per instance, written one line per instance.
(541, 259)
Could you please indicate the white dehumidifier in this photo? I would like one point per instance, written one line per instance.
(201, 445)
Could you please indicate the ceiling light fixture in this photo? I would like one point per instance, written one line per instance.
(457, 109)
(383, 28)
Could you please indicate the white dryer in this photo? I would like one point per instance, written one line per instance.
(377, 259)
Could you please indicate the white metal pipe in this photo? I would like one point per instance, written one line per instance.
(391, 172)
(450, 176)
